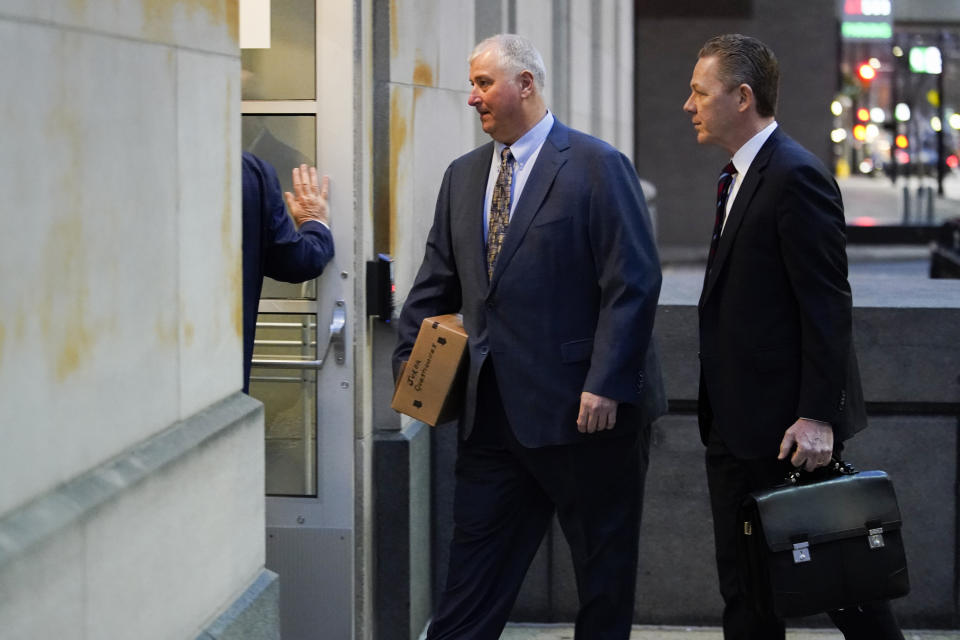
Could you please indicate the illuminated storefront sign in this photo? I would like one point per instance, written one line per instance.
(866, 19)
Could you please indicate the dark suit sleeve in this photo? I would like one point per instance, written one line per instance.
(628, 275)
(812, 238)
(290, 255)
(436, 289)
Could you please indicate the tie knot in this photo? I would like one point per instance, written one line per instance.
(506, 156)
(728, 170)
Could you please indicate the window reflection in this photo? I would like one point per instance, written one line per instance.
(287, 70)
(290, 402)
(285, 141)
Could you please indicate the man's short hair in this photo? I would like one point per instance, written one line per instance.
(746, 60)
(517, 54)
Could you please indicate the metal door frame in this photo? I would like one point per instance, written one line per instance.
(325, 528)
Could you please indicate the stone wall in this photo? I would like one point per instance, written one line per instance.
(131, 474)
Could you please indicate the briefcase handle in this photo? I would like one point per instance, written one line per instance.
(834, 469)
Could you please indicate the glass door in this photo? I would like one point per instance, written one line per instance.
(286, 360)
(303, 368)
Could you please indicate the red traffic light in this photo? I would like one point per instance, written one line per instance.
(866, 72)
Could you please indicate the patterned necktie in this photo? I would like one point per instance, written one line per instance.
(723, 191)
(499, 210)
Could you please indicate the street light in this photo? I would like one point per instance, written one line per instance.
(867, 73)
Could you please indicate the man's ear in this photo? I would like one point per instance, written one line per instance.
(526, 84)
(745, 97)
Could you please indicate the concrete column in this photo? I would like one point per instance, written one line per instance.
(131, 475)
(581, 71)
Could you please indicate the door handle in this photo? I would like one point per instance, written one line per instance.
(337, 340)
(338, 325)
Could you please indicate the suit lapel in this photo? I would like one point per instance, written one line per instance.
(552, 156)
(470, 202)
(751, 182)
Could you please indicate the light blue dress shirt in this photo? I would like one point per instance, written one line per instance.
(525, 152)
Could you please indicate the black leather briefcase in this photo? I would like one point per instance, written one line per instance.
(809, 548)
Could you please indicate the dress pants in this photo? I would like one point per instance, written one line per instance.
(504, 500)
(730, 479)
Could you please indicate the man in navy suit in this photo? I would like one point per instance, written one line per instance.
(542, 240)
(779, 383)
(272, 245)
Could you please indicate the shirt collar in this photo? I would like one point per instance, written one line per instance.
(528, 143)
(744, 156)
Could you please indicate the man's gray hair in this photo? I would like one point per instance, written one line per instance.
(517, 54)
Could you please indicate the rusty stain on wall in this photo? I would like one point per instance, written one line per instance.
(77, 347)
(422, 73)
(398, 138)
(233, 20)
(165, 329)
(66, 323)
(231, 247)
(64, 316)
(159, 15)
(394, 43)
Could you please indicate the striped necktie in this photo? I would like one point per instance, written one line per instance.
(723, 191)
(499, 210)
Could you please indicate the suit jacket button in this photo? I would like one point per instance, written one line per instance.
(483, 351)
(490, 304)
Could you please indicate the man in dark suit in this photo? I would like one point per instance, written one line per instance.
(542, 240)
(779, 384)
(272, 245)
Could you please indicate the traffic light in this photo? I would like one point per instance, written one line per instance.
(866, 73)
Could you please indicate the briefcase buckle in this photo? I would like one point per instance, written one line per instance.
(801, 552)
(875, 538)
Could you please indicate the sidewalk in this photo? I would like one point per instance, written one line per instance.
(877, 201)
(565, 632)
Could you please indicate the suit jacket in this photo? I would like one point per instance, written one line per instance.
(571, 303)
(775, 311)
(272, 245)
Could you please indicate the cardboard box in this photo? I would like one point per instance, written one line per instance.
(430, 386)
